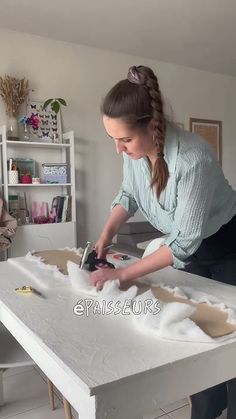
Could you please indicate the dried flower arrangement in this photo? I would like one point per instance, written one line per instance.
(13, 92)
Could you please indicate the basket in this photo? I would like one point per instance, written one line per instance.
(55, 172)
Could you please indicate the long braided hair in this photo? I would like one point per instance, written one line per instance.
(137, 100)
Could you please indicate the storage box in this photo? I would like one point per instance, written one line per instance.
(25, 166)
(55, 172)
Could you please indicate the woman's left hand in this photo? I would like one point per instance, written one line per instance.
(99, 277)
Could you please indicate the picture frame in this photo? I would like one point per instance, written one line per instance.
(211, 131)
(49, 129)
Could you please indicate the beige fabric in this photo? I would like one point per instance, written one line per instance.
(58, 258)
(210, 319)
(8, 226)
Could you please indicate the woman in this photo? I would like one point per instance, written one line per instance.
(173, 177)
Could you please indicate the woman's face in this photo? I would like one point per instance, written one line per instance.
(135, 144)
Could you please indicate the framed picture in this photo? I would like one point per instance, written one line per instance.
(49, 129)
(210, 130)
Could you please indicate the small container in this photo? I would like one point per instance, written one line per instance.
(55, 172)
(40, 212)
(26, 166)
(26, 179)
(36, 180)
(13, 177)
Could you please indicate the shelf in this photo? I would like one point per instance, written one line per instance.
(37, 185)
(37, 144)
(40, 236)
(43, 224)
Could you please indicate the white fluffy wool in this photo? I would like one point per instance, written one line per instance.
(79, 279)
(45, 276)
(173, 320)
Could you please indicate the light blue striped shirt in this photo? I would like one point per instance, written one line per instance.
(196, 202)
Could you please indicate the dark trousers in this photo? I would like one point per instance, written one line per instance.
(216, 259)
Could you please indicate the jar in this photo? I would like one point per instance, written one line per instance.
(12, 129)
(13, 177)
(36, 180)
(26, 179)
(26, 133)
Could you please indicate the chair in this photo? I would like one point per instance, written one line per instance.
(13, 355)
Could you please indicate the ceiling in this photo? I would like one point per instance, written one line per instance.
(194, 33)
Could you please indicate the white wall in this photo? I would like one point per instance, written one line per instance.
(82, 75)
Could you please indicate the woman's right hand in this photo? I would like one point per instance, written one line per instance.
(117, 217)
(100, 247)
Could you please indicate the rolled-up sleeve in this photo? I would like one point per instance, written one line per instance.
(125, 196)
(194, 200)
(126, 200)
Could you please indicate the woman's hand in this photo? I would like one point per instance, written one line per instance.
(159, 259)
(100, 247)
(99, 277)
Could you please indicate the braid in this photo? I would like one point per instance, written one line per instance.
(160, 172)
(137, 101)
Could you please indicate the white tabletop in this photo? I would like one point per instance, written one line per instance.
(102, 356)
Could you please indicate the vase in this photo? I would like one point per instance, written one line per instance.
(26, 133)
(55, 138)
(12, 129)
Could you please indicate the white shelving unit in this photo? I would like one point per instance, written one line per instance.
(1, 174)
(41, 185)
(40, 236)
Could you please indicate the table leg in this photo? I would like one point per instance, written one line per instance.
(1, 387)
(51, 394)
(67, 409)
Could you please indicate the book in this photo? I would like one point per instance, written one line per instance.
(64, 211)
(60, 208)
(54, 206)
(69, 209)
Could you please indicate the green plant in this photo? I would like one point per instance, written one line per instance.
(55, 104)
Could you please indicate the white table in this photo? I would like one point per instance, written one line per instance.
(103, 366)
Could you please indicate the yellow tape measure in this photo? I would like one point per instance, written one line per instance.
(25, 289)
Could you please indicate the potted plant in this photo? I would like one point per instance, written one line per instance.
(25, 177)
(55, 104)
